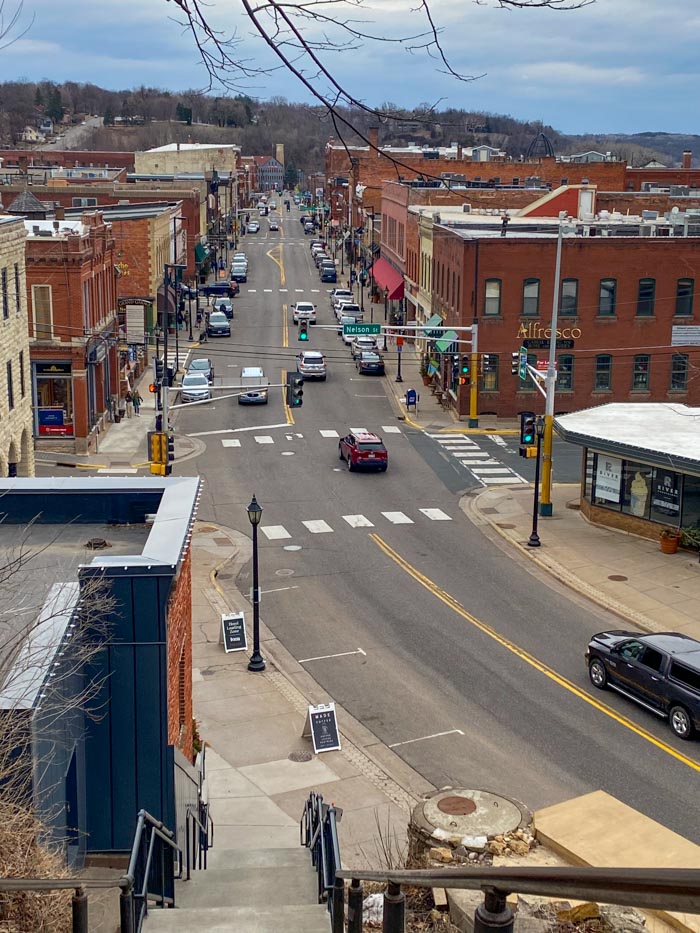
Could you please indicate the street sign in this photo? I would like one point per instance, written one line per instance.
(522, 367)
(543, 365)
(361, 330)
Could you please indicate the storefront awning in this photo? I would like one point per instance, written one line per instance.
(200, 252)
(386, 276)
(446, 340)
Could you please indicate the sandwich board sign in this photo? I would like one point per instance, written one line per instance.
(233, 630)
(321, 724)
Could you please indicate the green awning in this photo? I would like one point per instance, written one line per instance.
(200, 252)
(446, 340)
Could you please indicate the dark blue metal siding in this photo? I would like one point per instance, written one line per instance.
(82, 507)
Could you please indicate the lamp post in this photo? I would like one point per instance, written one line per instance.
(386, 311)
(256, 662)
(189, 310)
(534, 539)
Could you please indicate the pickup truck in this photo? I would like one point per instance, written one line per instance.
(220, 289)
(660, 672)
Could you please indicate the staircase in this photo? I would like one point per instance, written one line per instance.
(247, 891)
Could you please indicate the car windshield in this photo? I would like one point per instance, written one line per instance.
(195, 379)
(303, 307)
(200, 365)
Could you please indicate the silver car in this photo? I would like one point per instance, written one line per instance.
(195, 388)
(312, 365)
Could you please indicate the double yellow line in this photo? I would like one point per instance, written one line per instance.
(525, 656)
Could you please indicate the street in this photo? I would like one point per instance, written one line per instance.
(454, 654)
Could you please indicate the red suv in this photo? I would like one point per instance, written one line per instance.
(361, 449)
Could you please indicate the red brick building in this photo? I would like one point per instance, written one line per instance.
(627, 306)
(72, 301)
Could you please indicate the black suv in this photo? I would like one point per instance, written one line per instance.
(660, 672)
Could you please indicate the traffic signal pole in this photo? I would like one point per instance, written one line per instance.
(550, 384)
(474, 382)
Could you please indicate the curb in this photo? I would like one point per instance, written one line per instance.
(470, 507)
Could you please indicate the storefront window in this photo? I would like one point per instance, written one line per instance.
(565, 372)
(691, 502)
(54, 399)
(666, 497)
(607, 479)
(636, 486)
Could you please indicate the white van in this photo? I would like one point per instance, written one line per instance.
(254, 377)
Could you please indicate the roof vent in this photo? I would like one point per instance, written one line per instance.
(97, 544)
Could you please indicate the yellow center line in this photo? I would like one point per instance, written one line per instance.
(278, 262)
(525, 656)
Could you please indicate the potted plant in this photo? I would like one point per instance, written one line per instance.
(426, 377)
(690, 537)
(669, 539)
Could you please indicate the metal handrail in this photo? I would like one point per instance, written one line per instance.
(318, 832)
(202, 841)
(134, 901)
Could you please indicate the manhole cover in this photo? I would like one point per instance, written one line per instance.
(618, 577)
(504, 525)
(300, 756)
(284, 572)
(457, 806)
(292, 547)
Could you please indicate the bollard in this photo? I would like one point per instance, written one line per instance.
(79, 904)
(493, 914)
(126, 910)
(338, 896)
(355, 899)
(394, 920)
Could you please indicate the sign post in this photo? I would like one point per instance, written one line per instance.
(233, 631)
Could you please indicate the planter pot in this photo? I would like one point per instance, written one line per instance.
(427, 380)
(669, 545)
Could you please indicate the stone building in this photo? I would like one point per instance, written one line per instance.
(72, 291)
(176, 158)
(16, 448)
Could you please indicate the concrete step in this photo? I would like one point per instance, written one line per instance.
(258, 858)
(290, 919)
(247, 886)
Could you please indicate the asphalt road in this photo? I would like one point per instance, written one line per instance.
(448, 649)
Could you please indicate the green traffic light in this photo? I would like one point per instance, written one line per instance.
(303, 335)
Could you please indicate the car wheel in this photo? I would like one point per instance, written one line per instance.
(382, 469)
(350, 466)
(340, 453)
(598, 674)
(323, 378)
(680, 722)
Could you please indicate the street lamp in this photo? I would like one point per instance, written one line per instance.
(256, 662)
(386, 311)
(534, 539)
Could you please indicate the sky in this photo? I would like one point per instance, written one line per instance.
(614, 66)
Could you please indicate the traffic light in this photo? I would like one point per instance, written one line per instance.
(158, 367)
(303, 330)
(527, 431)
(295, 381)
(514, 363)
(464, 370)
(489, 363)
(158, 452)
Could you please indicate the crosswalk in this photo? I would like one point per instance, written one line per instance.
(269, 439)
(181, 357)
(319, 526)
(487, 470)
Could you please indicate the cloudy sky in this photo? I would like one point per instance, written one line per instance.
(613, 66)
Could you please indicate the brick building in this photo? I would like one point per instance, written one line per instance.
(72, 291)
(16, 447)
(627, 310)
(67, 158)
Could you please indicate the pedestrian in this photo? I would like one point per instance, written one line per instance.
(128, 404)
(180, 320)
(137, 401)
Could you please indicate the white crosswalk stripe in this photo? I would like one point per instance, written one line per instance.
(481, 464)
(398, 518)
(390, 429)
(230, 442)
(275, 532)
(329, 434)
(436, 515)
(264, 439)
(358, 521)
(317, 526)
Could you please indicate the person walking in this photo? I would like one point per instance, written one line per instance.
(128, 404)
(137, 401)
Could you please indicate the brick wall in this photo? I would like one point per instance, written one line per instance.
(179, 659)
(69, 158)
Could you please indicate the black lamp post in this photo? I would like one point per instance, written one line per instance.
(256, 662)
(386, 311)
(189, 310)
(534, 539)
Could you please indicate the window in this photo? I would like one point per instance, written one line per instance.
(492, 297)
(41, 302)
(684, 675)
(565, 372)
(569, 298)
(684, 297)
(22, 385)
(603, 372)
(5, 299)
(10, 387)
(531, 297)
(607, 297)
(526, 384)
(645, 297)
(636, 485)
(18, 290)
(679, 372)
(651, 658)
(640, 373)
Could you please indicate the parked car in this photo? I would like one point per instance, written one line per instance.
(225, 305)
(305, 310)
(317, 244)
(239, 257)
(312, 365)
(254, 377)
(661, 672)
(195, 387)
(328, 273)
(253, 226)
(346, 319)
(360, 449)
(218, 325)
(219, 289)
(239, 271)
(203, 366)
(340, 294)
(188, 291)
(349, 309)
(369, 363)
(362, 344)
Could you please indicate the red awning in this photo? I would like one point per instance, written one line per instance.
(386, 276)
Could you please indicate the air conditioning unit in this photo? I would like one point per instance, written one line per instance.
(467, 208)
